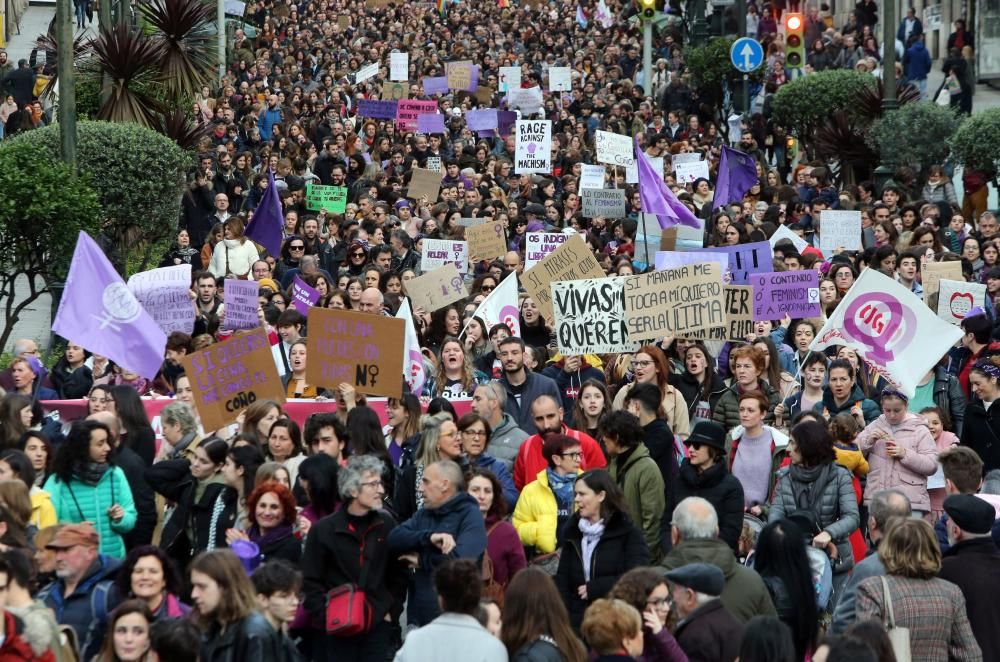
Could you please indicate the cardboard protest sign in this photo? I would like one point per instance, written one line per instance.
(303, 296)
(590, 316)
(392, 91)
(688, 173)
(408, 110)
(240, 300)
(539, 244)
(591, 176)
(439, 252)
(739, 317)
(839, 229)
(228, 377)
(679, 301)
(366, 72)
(780, 293)
(560, 79)
(956, 298)
(745, 259)
(436, 289)
(484, 94)
(527, 100)
(165, 294)
(784, 234)
(571, 261)
(424, 184)
(614, 148)
(399, 66)
(460, 75)
(534, 145)
(486, 240)
(608, 202)
(326, 198)
(360, 349)
(934, 272)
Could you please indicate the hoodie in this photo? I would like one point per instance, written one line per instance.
(506, 440)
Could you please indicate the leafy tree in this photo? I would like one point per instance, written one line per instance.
(976, 144)
(916, 135)
(138, 175)
(712, 71)
(42, 210)
(804, 104)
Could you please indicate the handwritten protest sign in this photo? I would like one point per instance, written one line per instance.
(933, 273)
(304, 296)
(408, 110)
(540, 244)
(570, 261)
(780, 293)
(484, 94)
(436, 289)
(379, 110)
(164, 293)
(366, 72)
(680, 301)
(435, 85)
(439, 252)
(590, 316)
(392, 91)
(510, 78)
(784, 234)
(424, 183)
(956, 298)
(326, 198)
(434, 164)
(739, 317)
(240, 299)
(745, 259)
(534, 145)
(608, 202)
(839, 229)
(614, 148)
(461, 75)
(228, 377)
(486, 240)
(591, 176)
(688, 157)
(688, 173)
(399, 66)
(360, 349)
(527, 100)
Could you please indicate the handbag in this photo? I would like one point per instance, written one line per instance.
(943, 98)
(547, 563)
(347, 610)
(898, 637)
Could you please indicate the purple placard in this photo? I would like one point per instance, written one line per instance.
(304, 297)
(746, 260)
(409, 110)
(430, 123)
(376, 109)
(481, 120)
(436, 85)
(780, 293)
(505, 122)
(240, 299)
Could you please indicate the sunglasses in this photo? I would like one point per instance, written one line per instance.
(298, 247)
(487, 288)
(357, 254)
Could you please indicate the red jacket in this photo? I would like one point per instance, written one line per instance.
(14, 647)
(530, 459)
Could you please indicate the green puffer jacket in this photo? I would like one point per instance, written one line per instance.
(640, 479)
(78, 502)
(727, 410)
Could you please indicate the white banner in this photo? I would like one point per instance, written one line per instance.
(510, 78)
(956, 298)
(164, 293)
(366, 72)
(839, 229)
(614, 149)
(560, 79)
(539, 244)
(591, 176)
(413, 360)
(439, 252)
(534, 145)
(399, 66)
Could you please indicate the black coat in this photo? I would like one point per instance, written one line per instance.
(71, 384)
(620, 549)
(974, 566)
(717, 486)
(142, 494)
(251, 638)
(691, 390)
(288, 548)
(710, 634)
(981, 433)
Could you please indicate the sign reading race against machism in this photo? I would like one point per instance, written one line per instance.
(360, 349)
(533, 146)
(590, 316)
(678, 301)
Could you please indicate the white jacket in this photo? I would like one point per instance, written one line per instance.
(240, 257)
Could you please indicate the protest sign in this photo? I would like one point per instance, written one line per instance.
(560, 79)
(379, 110)
(460, 75)
(326, 198)
(539, 244)
(674, 259)
(510, 78)
(534, 145)
(839, 229)
(436, 289)
(430, 123)
(468, 223)
(165, 294)
(527, 100)
(745, 259)
(424, 183)
(784, 234)
(360, 349)
(739, 317)
(487, 241)
(591, 176)
(240, 300)
(399, 66)
(303, 296)
(392, 91)
(590, 316)
(435, 85)
(608, 202)
(687, 157)
(228, 377)
(780, 293)
(688, 238)
(481, 120)
(614, 148)
(366, 72)
(343, 22)
(235, 7)
(879, 319)
(934, 272)
(434, 164)
(439, 252)
(687, 173)
(570, 261)
(484, 95)
(957, 297)
(408, 110)
(681, 301)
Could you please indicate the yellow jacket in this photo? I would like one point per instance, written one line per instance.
(851, 459)
(43, 513)
(537, 515)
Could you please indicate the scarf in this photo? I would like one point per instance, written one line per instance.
(90, 473)
(562, 489)
(808, 484)
(592, 533)
(274, 536)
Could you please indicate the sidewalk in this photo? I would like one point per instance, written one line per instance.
(35, 22)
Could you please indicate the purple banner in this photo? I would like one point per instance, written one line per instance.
(481, 120)
(505, 121)
(437, 85)
(240, 299)
(379, 110)
(430, 123)
(304, 297)
(746, 260)
(780, 293)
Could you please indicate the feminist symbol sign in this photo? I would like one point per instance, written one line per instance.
(120, 306)
(879, 321)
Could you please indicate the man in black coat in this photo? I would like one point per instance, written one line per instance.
(20, 83)
(706, 630)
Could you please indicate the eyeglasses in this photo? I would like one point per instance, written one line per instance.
(298, 247)
(573, 456)
(374, 484)
(641, 364)
(694, 445)
(474, 433)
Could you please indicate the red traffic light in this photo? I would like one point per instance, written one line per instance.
(794, 22)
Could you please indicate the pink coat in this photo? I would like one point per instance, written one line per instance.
(908, 474)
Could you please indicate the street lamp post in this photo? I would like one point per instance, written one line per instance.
(66, 111)
(883, 173)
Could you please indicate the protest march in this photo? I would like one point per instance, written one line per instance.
(478, 341)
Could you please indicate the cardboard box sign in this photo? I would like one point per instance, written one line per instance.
(571, 261)
(739, 317)
(681, 301)
(436, 289)
(360, 349)
(229, 376)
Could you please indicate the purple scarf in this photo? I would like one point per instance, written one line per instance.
(274, 536)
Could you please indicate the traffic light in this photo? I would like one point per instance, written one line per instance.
(647, 9)
(795, 43)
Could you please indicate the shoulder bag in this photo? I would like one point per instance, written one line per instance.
(898, 637)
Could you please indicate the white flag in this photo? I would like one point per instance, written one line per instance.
(413, 360)
(879, 319)
(501, 306)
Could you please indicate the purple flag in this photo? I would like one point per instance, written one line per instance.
(737, 175)
(100, 313)
(266, 225)
(304, 297)
(657, 198)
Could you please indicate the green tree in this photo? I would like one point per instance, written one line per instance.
(712, 71)
(804, 104)
(916, 134)
(138, 175)
(976, 144)
(42, 210)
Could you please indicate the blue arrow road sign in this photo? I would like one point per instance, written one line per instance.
(746, 54)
